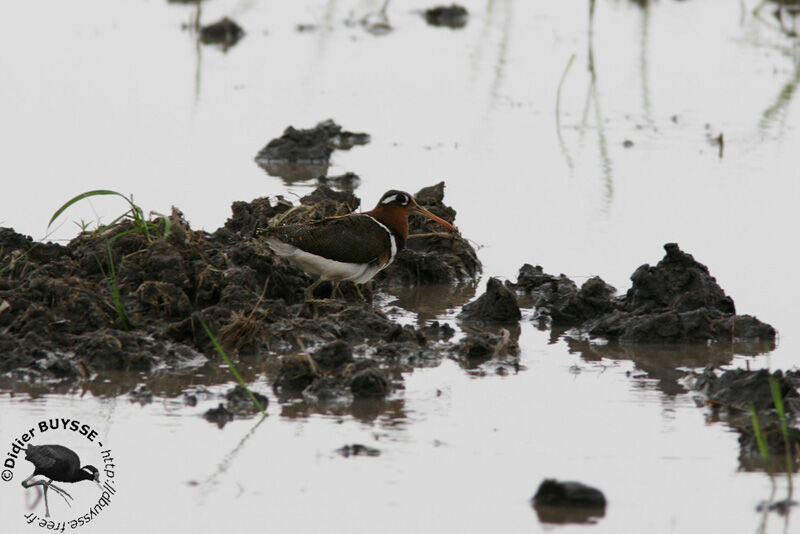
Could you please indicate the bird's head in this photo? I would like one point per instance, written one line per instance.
(90, 472)
(395, 207)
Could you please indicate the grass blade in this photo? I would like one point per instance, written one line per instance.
(760, 439)
(113, 288)
(87, 194)
(777, 399)
(228, 361)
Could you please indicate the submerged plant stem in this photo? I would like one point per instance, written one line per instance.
(761, 440)
(777, 399)
(558, 113)
(229, 362)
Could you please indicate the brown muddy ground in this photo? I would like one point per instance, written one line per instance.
(62, 325)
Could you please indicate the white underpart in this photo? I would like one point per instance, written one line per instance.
(331, 269)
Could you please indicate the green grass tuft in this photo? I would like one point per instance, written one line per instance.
(148, 228)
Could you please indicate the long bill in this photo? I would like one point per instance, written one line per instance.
(422, 211)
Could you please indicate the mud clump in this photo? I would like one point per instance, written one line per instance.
(123, 300)
(480, 346)
(224, 33)
(304, 154)
(497, 305)
(731, 394)
(568, 502)
(141, 395)
(294, 374)
(369, 383)
(739, 388)
(453, 16)
(357, 449)
(676, 301)
(334, 356)
(238, 404)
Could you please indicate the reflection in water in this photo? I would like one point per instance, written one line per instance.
(318, 58)
(489, 348)
(377, 22)
(431, 301)
(605, 159)
(570, 514)
(592, 98)
(387, 412)
(502, 52)
(213, 480)
(291, 172)
(561, 143)
(643, 54)
(665, 362)
(778, 109)
(784, 9)
(490, 20)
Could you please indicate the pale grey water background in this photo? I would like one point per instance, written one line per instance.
(115, 95)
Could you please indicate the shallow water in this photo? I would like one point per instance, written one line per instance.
(116, 95)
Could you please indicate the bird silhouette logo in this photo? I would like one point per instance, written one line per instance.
(56, 463)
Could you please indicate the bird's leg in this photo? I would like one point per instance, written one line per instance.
(46, 505)
(310, 289)
(61, 492)
(27, 484)
(335, 289)
(47, 485)
(359, 292)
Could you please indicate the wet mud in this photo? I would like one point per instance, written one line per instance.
(303, 154)
(675, 301)
(237, 404)
(356, 449)
(733, 394)
(568, 502)
(224, 33)
(122, 301)
(452, 16)
(123, 306)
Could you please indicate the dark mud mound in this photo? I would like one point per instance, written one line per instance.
(224, 33)
(125, 300)
(432, 256)
(498, 306)
(675, 301)
(305, 154)
(568, 502)
(731, 394)
(453, 16)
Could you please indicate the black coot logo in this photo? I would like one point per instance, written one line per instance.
(50, 445)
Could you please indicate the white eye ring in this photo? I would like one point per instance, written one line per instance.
(400, 198)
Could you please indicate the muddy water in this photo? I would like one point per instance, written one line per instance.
(116, 95)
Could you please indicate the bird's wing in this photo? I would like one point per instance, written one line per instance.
(47, 456)
(354, 238)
